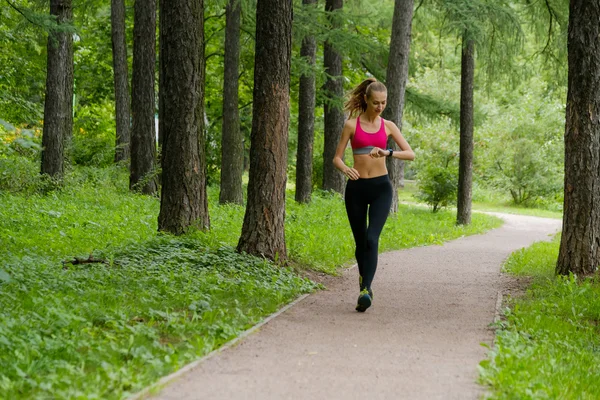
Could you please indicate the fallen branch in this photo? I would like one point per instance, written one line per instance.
(89, 260)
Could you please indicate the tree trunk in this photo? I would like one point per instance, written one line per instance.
(396, 77)
(263, 230)
(465, 166)
(580, 242)
(232, 143)
(334, 116)
(306, 119)
(58, 104)
(143, 134)
(121, 79)
(184, 200)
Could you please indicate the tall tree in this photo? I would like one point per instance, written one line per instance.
(58, 104)
(263, 231)
(306, 118)
(232, 142)
(480, 24)
(465, 163)
(184, 200)
(580, 242)
(396, 77)
(334, 90)
(143, 133)
(121, 79)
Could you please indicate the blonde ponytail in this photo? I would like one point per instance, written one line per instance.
(356, 103)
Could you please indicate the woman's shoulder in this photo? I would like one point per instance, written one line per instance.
(390, 126)
(350, 123)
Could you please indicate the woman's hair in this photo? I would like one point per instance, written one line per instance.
(356, 102)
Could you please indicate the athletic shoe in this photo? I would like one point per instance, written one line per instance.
(364, 301)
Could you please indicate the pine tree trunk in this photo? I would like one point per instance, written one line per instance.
(184, 200)
(263, 231)
(58, 104)
(580, 242)
(143, 134)
(232, 143)
(121, 80)
(396, 77)
(334, 116)
(465, 166)
(306, 119)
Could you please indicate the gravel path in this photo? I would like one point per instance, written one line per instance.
(421, 339)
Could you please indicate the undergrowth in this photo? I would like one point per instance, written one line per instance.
(71, 328)
(548, 345)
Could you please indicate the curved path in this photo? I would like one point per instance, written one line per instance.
(421, 339)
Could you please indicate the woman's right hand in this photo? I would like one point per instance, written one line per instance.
(351, 173)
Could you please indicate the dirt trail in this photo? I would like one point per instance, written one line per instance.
(421, 339)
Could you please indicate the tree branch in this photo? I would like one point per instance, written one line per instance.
(17, 9)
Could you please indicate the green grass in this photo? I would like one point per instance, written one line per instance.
(548, 346)
(485, 202)
(108, 330)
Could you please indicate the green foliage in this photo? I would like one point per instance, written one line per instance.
(547, 346)
(437, 187)
(94, 135)
(436, 164)
(159, 302)
(22, 67)
(538, 260)
(19, 160)
(522, 146)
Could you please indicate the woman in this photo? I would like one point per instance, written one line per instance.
(369, 190)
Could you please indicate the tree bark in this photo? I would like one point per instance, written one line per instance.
(334, 116)
(306, 119)
(121, 80)
(232, 142)
(465, 165)
(580, 242)
(143, 135)
(263, 231)
(184, 201)
(396, 77)
(58, 104)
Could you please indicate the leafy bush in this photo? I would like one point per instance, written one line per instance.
(525, 173)
(19, 160)
(437, 169)
(521, 149)
(437, 186)
(94, 135)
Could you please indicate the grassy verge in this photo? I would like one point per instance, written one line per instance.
(548, 346)
(105, 330)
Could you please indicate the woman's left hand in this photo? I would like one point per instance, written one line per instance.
(376, 152)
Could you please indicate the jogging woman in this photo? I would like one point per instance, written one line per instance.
(368, 194)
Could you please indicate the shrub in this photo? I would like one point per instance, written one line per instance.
(437, 186)
(94, 135)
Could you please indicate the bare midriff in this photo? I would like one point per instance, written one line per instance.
(369, 167)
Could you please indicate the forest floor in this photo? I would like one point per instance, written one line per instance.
(422, 339)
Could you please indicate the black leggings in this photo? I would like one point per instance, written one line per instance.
(371, 196)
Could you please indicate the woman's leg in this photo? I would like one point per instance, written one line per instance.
(356, 208)
(379, 209)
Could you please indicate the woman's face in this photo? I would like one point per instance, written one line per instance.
(376, 102)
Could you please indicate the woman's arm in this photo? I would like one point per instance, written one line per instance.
(405, 153)
(338, 161)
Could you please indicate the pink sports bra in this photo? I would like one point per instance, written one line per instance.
(363, 142)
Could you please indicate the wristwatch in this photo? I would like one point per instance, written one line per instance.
(391, 152)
